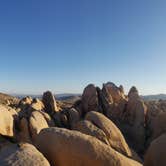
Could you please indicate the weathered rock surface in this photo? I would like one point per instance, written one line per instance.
(22, 155)
(79, 149)
(159, 127)
(113, 100)
(36, 123)
(48, 118)
(116, 92)
(89, 128)
(36, 105)
(134, 117)
(6, 122)
(113, 134)
(50, 103)
(24, 134)
(90, 99)
(73, 117)
(155, 155)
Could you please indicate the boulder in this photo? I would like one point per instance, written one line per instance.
(72, 148)
(105, 100)
(24, 134)
(114, 91)
(37, 105)
(90, 99)
(113, 101)
(133, 93)
(26, 100)
(155, 155)
(159, 127)
(134, 117)
(48, 118)
(6, 122)
(73, 116)
(50, 103)
(36, 123)
(113, 134)
(22, 155)
(86, 127)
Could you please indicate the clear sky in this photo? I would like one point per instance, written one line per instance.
(63, 45)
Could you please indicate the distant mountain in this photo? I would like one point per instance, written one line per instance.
(5, 98)
(69, 96)
(154, 97)
(63, 96)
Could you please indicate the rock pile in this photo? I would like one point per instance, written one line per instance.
(104, 128)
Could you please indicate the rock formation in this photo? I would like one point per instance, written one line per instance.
(50, 103)
(104, 127)
(6, 122)
(90, 99)
(113, 134)
(89, 128)
(134, 117)
(23, 155)
(79, 149)
(155, 156)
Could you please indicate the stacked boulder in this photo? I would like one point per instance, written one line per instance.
(104, 128)
(79, 149)
(22, 154)
(134, 118)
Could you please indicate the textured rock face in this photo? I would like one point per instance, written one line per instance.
(6, 122)
(135, 119)
(27, 100)
(113, 134)
(155, 155)
(22, 155)
(159, 125)
(80, 149)
(50, 103)
(133, 93)
(73, 116)
(89, 128)
(113, 100)
(36, 123)
(24, 134)
(114, 91)
(47, 117)
(90, 99)
(37, 105)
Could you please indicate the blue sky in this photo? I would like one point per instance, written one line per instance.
(63, 45)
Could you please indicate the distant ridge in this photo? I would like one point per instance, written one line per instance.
(154, 97)
(65, 96)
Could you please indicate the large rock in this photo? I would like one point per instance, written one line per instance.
(155, 155)
(48, 118)
(36, 123)
(113, 101)
(36, 105)
(24, 134)
(113, 134)
(72, 148)
(115, 92)
(159, 127)
(134, 117)
(22, 155)
(90, 99)
(25, 101)
(89, 128)
(50, 103)
(73, 117)
(6, 122)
